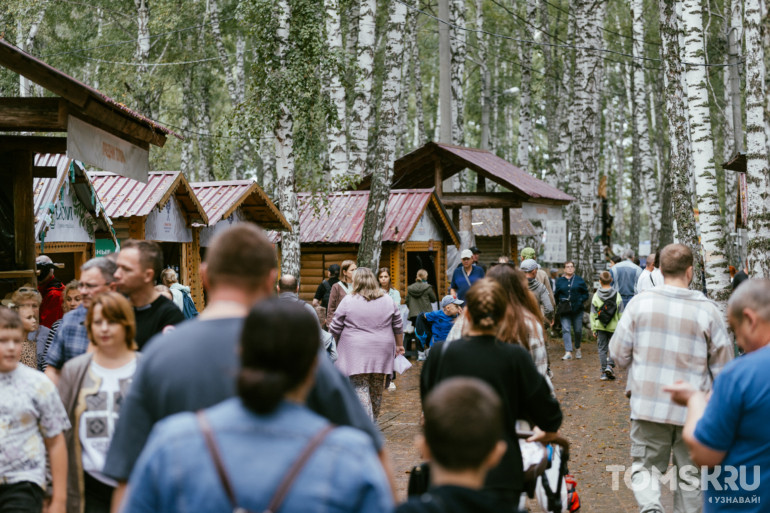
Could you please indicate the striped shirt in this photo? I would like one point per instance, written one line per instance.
(668, 334)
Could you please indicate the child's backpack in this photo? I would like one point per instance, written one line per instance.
(607, 311)
(189, 309)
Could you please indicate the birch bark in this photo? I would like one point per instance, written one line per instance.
(284, 159)
(382, 174)
(188, 100)
(457, 45)
(525, 95)
(203, 133)
(756, 145)
(678, 175)
(27, 44)
(416, 78)
(338, 139)
(143, 55)
(360, 117)
(712, 240)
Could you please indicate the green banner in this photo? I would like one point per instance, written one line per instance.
(104, 247)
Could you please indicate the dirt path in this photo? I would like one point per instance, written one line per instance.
(595, 421)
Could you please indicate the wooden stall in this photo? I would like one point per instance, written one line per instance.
(488, 229)
(68, 216)
(225, 203)
(98, 130)
(416, 233)
(163, 210)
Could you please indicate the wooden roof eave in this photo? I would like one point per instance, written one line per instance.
(187, 198)
(443, 216)
(279, 223)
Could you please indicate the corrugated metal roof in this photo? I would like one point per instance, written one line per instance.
(220, 199)
(341, 220)
(491, 223)
(124, 197)
(46, 189)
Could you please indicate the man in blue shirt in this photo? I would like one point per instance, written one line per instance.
(625, 275)
(729, 431)
(465, 275)
(71, 339)
(441, 321)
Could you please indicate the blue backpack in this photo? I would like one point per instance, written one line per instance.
(189, 310)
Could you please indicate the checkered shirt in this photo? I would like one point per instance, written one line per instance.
(668, 334)
(71, 338)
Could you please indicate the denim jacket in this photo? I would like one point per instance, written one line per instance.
(175, 471)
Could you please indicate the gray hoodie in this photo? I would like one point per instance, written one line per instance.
(541, 294)
(604, 295)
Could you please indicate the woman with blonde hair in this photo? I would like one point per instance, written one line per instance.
(26, 301)
(340, 289)
(508, 368)
(369, 332)
(92, 388)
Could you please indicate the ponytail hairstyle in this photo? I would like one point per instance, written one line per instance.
(279, 347)
(486, 304)
(523, 308)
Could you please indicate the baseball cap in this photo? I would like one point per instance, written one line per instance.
(528, 265)
(528, 253)
(466, 253)
(449, 300)
(475, 250)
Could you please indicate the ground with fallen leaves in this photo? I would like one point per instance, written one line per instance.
(595, 422)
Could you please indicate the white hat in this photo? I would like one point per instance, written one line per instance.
(466, 253)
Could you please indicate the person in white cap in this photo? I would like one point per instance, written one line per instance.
(465, 276)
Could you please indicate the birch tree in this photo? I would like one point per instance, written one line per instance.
(712, 240)
(338, 139)
(588, 19)
(525, 94)
(457, 45)
(756, 145)
(382, 175)
(678, 170)
(361, 115)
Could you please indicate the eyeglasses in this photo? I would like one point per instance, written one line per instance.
(27, 289)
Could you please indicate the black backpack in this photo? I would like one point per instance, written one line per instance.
(607, 311)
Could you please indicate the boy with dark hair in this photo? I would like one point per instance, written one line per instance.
(606, 309)
(32, 419)
(462, 440)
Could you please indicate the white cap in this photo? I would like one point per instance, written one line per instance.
(466, 253)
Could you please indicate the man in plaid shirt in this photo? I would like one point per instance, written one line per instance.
(666, 334)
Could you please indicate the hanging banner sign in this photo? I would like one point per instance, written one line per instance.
(208, 232)
(101, 149)
(555, 241)
(67, 220)
(167, 224)
(104, 247)
(536, 211)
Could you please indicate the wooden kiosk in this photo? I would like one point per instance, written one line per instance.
(98, 130)
(416, 233)
(225, 203)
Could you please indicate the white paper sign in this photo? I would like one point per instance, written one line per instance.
(208, 232)
(167, 224)
(555, 241)
(65, 222)
(536, 211)
(426, 229)
(94, 146)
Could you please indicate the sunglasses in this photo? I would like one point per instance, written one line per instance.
(28, 289)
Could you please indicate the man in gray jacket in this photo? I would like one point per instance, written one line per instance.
(530, 267)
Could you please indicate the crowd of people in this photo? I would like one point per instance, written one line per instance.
(125, 403)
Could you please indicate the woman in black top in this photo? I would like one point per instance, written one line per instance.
(508, 369)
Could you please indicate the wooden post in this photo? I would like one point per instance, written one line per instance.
(437, 176)
(20, 166)
(506, 231)
(481, 183)
(456, 218)
(515, 254)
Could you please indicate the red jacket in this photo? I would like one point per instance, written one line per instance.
(50, 309)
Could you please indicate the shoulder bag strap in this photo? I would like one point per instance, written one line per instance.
(465, 275)
(208, 435)
(296, 468)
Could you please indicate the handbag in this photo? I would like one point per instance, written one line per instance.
(283, 489)
(565, 306)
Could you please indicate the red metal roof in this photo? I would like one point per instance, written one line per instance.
(341, 220)
(220, 199)
(124, 197)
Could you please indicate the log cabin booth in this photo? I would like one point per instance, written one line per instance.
(488, 229)
(96, 129)
(416, 234)
(433, 163)
(162, 210)
(69, 219)
(226, 203)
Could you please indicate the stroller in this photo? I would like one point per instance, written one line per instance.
(547, 477)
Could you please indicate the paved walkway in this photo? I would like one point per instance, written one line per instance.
(595, 421)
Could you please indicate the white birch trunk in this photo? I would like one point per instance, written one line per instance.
(27, 44)
(267, 153)
(586, 118)
(188, 100)
(756, 144)
(420, 133)
(457, 47)
(525, 93)
(142, 55)
(717, 276)
(361, 116)
(284, 160)
(646, 169)
(382, 174)
(338, 139)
